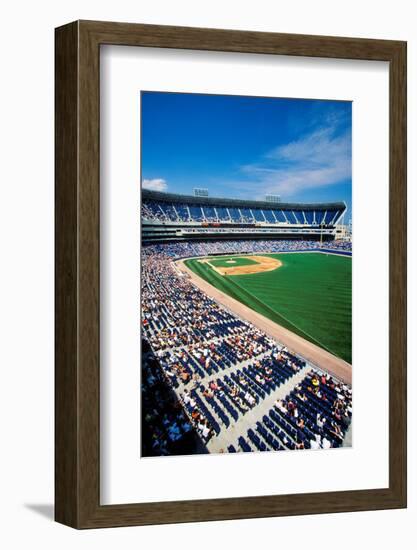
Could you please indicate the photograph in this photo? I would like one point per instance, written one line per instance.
(208, 270)
(246, 274)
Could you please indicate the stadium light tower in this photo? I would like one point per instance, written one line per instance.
(200, 192)
(272, 198)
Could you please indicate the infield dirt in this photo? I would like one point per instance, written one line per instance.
(263, 263)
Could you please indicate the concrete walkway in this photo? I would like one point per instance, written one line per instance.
(209, 378)
(347, 442)
(248, 420)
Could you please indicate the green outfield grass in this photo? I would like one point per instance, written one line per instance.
(237, 261)
(310, 294)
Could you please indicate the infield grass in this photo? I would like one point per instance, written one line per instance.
(310, 294)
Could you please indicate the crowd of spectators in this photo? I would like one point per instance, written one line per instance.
(205, 368)
(314, 415)
(166, 428)
(190, 249)
(254, 214)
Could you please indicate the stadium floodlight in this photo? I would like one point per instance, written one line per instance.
(200, 192)
(272, 198)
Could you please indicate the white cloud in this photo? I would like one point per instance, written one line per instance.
(318, 159)
(156, 184)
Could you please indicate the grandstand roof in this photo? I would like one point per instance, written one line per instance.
(213, 201)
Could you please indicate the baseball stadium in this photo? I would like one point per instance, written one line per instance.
(246, 325)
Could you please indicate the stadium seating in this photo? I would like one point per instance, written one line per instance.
(210, 370)
(168, 211)
(181, 208)
(192, 249)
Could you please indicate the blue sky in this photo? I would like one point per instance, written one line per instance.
(247, 147)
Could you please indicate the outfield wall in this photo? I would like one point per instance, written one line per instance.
(337, 252)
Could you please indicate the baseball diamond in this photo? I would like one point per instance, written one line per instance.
(294, 294)
(239, 266)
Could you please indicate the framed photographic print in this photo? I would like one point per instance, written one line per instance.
(230, 274)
